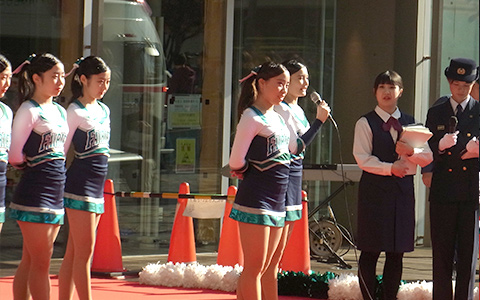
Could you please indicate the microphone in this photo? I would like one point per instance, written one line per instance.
(315, 97)
(452, 124)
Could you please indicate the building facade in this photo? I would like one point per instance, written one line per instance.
(161, 138)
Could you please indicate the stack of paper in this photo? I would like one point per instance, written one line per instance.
(415, 135)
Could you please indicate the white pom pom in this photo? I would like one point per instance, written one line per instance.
(344, 287)
(194, 276)
(415, 290)
(230, 279)
(213, 277)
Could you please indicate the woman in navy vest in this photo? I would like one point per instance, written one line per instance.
(386, 204)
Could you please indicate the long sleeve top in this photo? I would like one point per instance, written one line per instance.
(362, 148)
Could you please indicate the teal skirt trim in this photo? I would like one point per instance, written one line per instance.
(98, 208)
(266, 220)
(293, 215)
(2, 217)
(36, 217)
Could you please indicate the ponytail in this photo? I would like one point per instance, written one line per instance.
(249, 92)
(33, 65)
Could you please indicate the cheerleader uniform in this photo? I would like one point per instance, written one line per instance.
(90, 135)
(5, 136)
(294, 115)
(38, 137)
(261, 152)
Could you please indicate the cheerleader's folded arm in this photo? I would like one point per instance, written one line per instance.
(21, 129)
(247, 129)
(73, 121)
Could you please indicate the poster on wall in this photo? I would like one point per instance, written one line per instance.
(185, 158)
(184, 111)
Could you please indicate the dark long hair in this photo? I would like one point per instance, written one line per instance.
(293, 66)
(89, 66)
(388, 77)
(4, 63)
(39, 64)
(250, 85)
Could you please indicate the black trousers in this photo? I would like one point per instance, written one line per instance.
(392, 274)
(452, 225)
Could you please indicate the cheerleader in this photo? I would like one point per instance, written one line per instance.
(38, 136)
(89, 132)
(261, 156)
(293, 114)
(5, 131)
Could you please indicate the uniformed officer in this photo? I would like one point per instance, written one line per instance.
(454, 188)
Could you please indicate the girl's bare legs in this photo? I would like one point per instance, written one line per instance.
(33, 272)
(258, 243)
(1, 225)
(65, 280)
(269, 278)
(75, 269)
(20, 281)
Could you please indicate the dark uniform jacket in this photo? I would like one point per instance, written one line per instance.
(454, 179)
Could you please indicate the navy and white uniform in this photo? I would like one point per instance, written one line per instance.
(386, 203)
(89, 131)
(38, 137)
(261, 151)
(293, 114)
(6, 117)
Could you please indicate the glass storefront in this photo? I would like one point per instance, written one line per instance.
(301, 30)
(200, 49)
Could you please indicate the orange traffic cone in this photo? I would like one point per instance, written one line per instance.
(229, 248)
(182, 240)
(296, 256)
(107, 256)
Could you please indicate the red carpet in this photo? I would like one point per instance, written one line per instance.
(125, 290)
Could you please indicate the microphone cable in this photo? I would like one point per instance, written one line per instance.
(315, 97)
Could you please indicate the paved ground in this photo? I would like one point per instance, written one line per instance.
(417, 265)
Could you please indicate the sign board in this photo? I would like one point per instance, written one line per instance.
(185, 156)
(184, 111)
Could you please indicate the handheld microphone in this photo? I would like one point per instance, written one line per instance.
(452, 124)
(315, 97)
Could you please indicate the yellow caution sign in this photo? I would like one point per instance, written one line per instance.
(185, 158)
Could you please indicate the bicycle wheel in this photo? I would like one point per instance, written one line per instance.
(323, 233)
